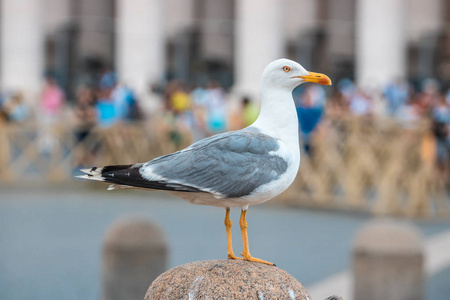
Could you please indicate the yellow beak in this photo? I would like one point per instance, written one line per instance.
(316, 78)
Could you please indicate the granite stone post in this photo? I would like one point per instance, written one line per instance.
(226, 279)
(134, 254)
(388, 262)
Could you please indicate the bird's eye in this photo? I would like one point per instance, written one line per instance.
(286, 69)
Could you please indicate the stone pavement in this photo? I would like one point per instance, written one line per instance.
(50, 239)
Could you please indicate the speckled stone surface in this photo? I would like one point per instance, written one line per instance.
(226, 279)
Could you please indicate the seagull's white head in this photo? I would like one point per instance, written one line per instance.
(287, 74)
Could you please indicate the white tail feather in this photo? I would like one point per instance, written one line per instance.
(91, 177)
(113, 187)
(96, 172)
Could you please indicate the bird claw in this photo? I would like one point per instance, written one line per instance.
(232, 256)
(257, 260)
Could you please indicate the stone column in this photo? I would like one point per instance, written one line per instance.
(140, 42)
(134, 254)
(22, 46)
(380, 41)
(96, 30)
(388, 262)
(259, 40)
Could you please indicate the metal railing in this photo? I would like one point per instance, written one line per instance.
(368, 165)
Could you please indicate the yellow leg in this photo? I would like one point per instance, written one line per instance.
(228, 224)
(245, 251)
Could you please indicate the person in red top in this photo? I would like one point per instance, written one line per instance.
(52, 99)
(51, 106)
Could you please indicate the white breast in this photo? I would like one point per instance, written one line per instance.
(291, 154)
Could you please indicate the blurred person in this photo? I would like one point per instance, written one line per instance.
(198, 96)
(51, 108)
(52, 99)
(149, 102)
(199, 111)
(125, 102)
(310, 110)
(360, 104)
(428, 96)
(242, 114)
(107, 80)
(84, 111)
(337, 106)
(396, 94)
(16, 109)
(180, 101)
(347, 89)
(408, 114)
(106, 110)
(378, 105)
(316, 94)
(440, 127)
(85, 120)
(181, 105)
(3, 113)
(216, 120)
(250, 112)
(441, 111)
(178, 115)
(447, 96)
(171, 87)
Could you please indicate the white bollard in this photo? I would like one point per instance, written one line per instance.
(388, 262)
(134, 254)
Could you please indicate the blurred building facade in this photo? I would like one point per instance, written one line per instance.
(150, 41)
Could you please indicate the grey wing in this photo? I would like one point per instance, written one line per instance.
(227, 165)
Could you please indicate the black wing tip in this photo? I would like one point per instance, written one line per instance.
(115, 168)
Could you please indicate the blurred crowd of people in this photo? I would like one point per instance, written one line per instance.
(177, 107)
(407, 104)
(206, 110)
(202, 109)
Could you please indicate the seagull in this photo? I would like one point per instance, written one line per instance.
(232, 169)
